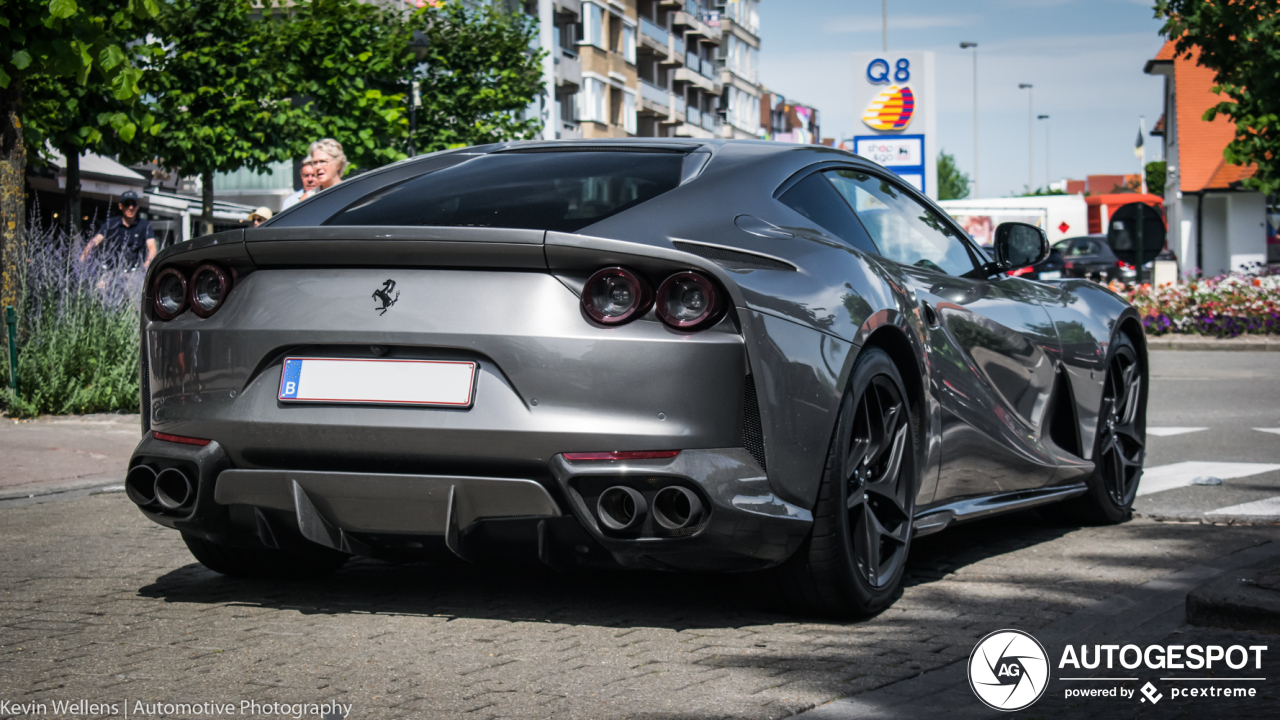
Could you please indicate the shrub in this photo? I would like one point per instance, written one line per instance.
(77, 330)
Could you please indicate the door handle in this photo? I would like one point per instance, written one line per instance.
(930, 315)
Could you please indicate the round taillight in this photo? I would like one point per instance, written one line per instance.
(688, 301)
(209, 287)
(615, 295)
(170, 292)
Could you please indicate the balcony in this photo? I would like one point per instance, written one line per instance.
(697, 27)
(677, 47)
(649, 29)
(568, 72)
(693, 116)
(694, 77)
(712, 123)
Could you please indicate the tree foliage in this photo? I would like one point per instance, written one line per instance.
(54, 38)
(1157, 173)
(222, 99)
(478, 77)
(1237, 40)
(952, 184)
(346, 63)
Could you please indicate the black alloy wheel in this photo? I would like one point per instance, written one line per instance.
(876, 495)
(1121, 443)
(1119, 446)
(854, 559)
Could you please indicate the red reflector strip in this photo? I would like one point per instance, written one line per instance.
(179, 439)
(633, 455)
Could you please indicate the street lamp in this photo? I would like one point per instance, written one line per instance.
(1030, 133)
(1047, 175)
(966, 46)
(419, 45)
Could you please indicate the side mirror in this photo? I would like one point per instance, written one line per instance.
(1018, 245)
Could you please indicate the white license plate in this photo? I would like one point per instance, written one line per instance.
(444, 383)
(1053, 275)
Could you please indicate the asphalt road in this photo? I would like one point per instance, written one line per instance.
(1220, 415)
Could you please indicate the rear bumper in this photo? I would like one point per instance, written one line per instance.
(745, 526)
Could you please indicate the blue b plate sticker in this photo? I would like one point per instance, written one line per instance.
(289, 383)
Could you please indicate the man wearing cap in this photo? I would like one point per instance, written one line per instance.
(127, 234)
(260, 215)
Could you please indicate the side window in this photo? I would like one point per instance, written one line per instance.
(814, 198)
(905, 231)
(1089, 247)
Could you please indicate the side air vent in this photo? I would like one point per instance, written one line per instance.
(752, 430)
(1064, 431)
(734, 259)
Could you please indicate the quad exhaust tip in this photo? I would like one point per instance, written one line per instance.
(621, 508)
(676, 507)
(173, 489)
(140, 485)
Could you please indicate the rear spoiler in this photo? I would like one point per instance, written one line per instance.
(351, 246)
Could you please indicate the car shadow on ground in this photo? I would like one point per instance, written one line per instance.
(604, 598)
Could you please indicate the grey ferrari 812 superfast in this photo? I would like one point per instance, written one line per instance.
(667, 354)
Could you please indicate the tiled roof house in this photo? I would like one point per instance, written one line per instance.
(1214, 223)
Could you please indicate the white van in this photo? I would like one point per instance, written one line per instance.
(1061, 216)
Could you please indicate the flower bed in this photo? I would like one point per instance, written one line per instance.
(1225, 306)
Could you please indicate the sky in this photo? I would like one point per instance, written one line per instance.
(1084, 57)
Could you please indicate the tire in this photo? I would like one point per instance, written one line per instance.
(853, 562)
(264, 562)
(1119, 446)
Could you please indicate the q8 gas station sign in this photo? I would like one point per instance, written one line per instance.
(893, 96)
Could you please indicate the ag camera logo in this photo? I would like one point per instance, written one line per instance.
(1008, 670)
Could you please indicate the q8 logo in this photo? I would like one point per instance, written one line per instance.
(1008, 670)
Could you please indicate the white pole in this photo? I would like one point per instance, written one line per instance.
(1142, 131)
(884, 23)
(546, 39)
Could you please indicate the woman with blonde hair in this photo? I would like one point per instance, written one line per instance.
(329, 161)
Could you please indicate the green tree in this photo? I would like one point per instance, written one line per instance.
(222, 97)
(1237, 40)
(1039, 192)
(952, 184)
(478, 78)
(76, 119)
(1156, 175)
(57, 38)
(347, 64)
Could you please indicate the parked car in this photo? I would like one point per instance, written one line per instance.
(1089, 256)
(670, 354)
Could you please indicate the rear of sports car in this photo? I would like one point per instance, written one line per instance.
(441, 357)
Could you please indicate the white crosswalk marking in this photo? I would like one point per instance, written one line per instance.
(1269, 430)
(1167, 431)
(1256, 511)
(1169, 477)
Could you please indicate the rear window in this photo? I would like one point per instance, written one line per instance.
(561, 191)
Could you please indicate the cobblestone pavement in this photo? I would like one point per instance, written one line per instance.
(97, 603)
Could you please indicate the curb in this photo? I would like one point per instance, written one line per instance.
(1248, 599)
(1248, 343)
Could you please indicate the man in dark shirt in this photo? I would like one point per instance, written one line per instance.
(126, 234)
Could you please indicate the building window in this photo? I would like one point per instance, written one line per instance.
(593, 25)
(593, 101)
(629, 44)
(629, 113)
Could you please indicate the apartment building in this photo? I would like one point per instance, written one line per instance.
(739, 68)
(651, 68)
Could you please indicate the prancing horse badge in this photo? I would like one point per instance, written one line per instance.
(383, 295)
